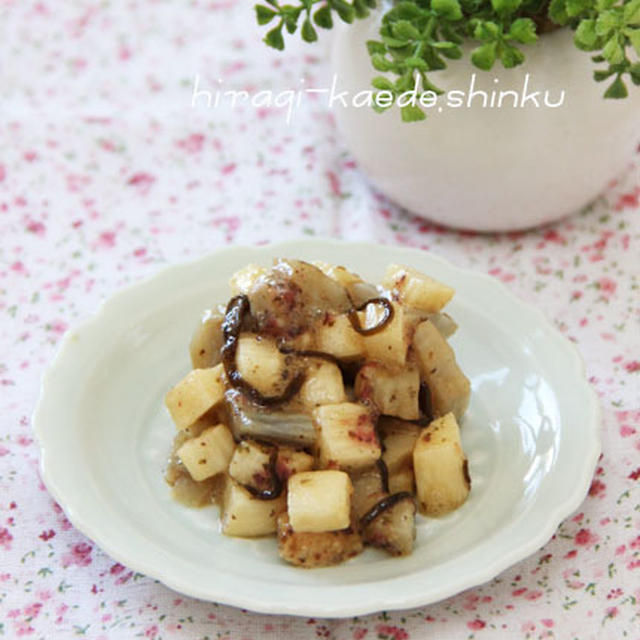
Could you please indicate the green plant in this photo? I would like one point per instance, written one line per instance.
(417, 37)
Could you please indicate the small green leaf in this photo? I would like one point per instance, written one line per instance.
(376, 47)
(634, 39)
(602, 5)
(402, 11)
(382, 100)
(264, 15)
(511, 56)
(576, 7)
(523, 30)
(454, 53)
(383, 84)
(394, 43)
(558, 12)
(631, 13)
(381, 63)
(416, 63)
(274, 38)
(486, 31)
(606, 22)
(360, 8)
(613, 51)
(484, 56)
(404, 83)
(309, 34)
(404, 30)
(442, 44)
(346, 12)
(322, 17)
(586, 35)
(601, 75)
(505, 7)
(449, 9)
(617, 89)
(411, 113)
(434, 61)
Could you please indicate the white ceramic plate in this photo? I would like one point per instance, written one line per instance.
(531, 436)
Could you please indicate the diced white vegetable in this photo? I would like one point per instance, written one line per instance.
(207, 454)
(402, 480)
(243, 281)
(194, 395)
(262, 365)
(206, 342)
(250, 465)
(337, 337)
(346, 436)
(248, 517)
(338, 273)
(450, 389)
(389, 345)
(440, 467)
(416, 289)
(398, 439)
(393, 393)
(322, 385)
(319, 501)
(292, 461)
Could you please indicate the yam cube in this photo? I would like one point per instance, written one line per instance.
(209, 453)
(319, 500)
(450, 388)
(415, 289)
(346, 436)
(313, 549)
(393, 393)
(250, 465)
(290, 461)
(243, 281)
(338, 273)
(359, 291)
(337, 337)
(440, 467)
(262, 365)
(398, 440)
(206, 342)
(248, 517)
(389, 345)
(393, 528)
(197, 393)
(402, 480)
(322, 385)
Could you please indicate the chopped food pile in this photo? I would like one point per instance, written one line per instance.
(324, 410)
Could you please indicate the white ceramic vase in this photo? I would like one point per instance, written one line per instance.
(483, 168)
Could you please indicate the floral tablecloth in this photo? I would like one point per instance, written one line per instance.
(107, 173)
